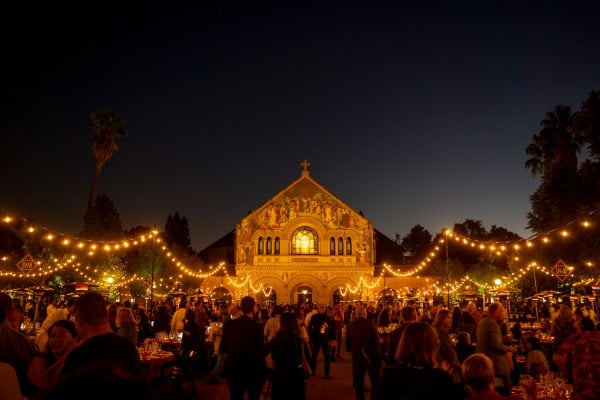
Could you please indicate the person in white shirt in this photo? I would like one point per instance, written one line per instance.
(177, 321)
(272, 325)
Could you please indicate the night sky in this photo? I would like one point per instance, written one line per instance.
(412, 114)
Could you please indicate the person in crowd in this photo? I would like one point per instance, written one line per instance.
(348, 317)
(144, 327)
(489, 342)
(62, 337)
(383, 319)
(585, 322)
(286, 350)
(63, 313)
(9, 390)
(563, 326)
(456, 318)
(126, 326)
(338, 321)
(478, 374)
(194, 339)
(102, 352)
(202, 318)
(426, 317)
(17, 315)
(366, 352)
(112, 317)
(414, 375)
(536, 362)
(446, 357)
(15, 348)
(467, 320)
(162, 321)
(578, 360)
(242, 345)
(272, 325)
(178, 319)
(464, 348)
(320, 331)
(408, 314)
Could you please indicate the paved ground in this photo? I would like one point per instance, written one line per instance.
(318, 388)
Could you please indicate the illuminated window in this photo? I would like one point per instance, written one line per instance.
(341, 246)
(332, 246)
(305, 241)
(348, 246)
(269, 245)
(277, 245)
(261, 245)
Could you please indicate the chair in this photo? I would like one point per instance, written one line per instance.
(175, 374)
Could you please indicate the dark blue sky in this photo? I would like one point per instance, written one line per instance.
(414, 114)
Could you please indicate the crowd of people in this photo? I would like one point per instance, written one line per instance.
(467, 352)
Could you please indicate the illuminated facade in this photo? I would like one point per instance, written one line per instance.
(304, 245)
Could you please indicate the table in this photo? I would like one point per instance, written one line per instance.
(153, 361)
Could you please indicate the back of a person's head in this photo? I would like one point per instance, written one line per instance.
(478, 372)
(190, 314)
(288, 323)
(247, 304)
(463, 338)
(361, 311)
(408, 314)
(418, 343)
(278, 310)
(91, 308)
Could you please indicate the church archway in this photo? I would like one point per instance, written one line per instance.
(304, 295)
(220, 296)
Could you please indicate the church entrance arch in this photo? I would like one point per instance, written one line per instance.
(267, 296)
(337, 296)
(220, 296)
(304, 294)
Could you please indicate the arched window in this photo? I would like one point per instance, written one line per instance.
(261, 245)
(348, 246)
(340, 246)
(269, 245)
(305, 241)
(332, 246)
(277, 245)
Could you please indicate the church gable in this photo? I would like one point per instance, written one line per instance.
(304, 202)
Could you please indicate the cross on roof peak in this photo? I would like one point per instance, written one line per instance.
(305, 164)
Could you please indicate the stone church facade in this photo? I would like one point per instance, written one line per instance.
(302, 245)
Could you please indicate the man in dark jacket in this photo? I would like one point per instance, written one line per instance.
(242, 348)
(408, 314)
(366, 352)
(321, 331)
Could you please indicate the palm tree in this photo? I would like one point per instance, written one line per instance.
(107, 125)
(554, 151)
(555, 146)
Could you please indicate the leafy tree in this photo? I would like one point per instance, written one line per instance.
(107, 125)
(102, 221)
(471, 228)
(417, 243)
(177, 232)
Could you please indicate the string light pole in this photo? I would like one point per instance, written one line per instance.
(154, 233)
(447, 270)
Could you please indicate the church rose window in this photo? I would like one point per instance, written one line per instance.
(305, 241)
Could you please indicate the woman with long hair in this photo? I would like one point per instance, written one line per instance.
(286, 350)
(446, 355)
(126, 326)
(415, 374)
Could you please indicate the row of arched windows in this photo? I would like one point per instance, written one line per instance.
(305, 241)
(276, 249)
(340, 246)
